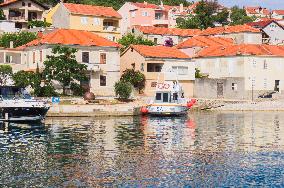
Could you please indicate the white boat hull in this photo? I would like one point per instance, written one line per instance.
(167, 109)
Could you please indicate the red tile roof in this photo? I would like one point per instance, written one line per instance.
(260, 24)
(92, 10)
(242, 49)
(167, 31)
(71, 37)
(14, 1)
(146, 5)
(160, 52)
(229, 29)
(280, 12)
(205, 41)
(257, 10)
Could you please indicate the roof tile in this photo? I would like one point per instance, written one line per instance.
(242, 49)
(229, 29)
(71, 37)
(167, 31)
(92, 10)
(205, 41)
(160, 52)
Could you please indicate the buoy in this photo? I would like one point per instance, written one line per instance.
(144, 110)
(193, 101)
(189, 104)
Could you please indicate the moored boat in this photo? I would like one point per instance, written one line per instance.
(169, 100)
(16, 104)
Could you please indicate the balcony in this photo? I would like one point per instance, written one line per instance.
(111, 28)
(16, 18)
(160, 22)
(92, 67)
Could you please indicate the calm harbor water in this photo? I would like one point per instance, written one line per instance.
(202, 150)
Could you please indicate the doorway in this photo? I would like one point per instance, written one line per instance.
(276, 87)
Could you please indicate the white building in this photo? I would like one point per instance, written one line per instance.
(101, 56)
(251, 70)
(277, 14)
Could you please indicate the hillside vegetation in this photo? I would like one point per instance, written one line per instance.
(116, 4)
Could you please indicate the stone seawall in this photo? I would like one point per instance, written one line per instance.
(93, 110)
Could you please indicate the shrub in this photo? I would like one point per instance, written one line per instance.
(77, 89)
(123, 89)
(136, 78)
(48, 91)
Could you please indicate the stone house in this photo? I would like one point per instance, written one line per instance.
(277, 14)
(159, 64)
(257, 11)
(101, 56)
(23, 11)
(239, 33)
(250, 70)
(104, 21)
(159, 34)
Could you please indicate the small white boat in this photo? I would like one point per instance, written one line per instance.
(169, 100)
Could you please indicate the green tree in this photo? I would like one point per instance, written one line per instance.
(136, 78)
(205, 16)
(38, 23)
(64, 68)
(23, 78)
(2, 16)
(123, 89)
(129, 39)
(239, 16)
(19, 39)
(5, 74)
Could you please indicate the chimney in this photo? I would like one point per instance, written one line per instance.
(181, 7)
(11, 44)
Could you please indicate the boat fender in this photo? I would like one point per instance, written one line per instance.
(190, 104)
(193, 101)
(144, 110)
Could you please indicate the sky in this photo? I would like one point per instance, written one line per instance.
(270, 4)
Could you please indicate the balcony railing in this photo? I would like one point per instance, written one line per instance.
(16, 17)
(111, 28)
(92, 67)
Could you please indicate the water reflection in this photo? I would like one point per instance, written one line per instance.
(203, 150)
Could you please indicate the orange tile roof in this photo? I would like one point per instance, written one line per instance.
(71, 37)
(146, 5)
(160, 52)
(280, 12)
(205, 41)
(167, 31)
(14, 1)
(242, 49)
(229, 29)
(92, 10)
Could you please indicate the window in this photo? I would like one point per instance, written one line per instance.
(158, 15)
(158, 96)
(102, 80)
(144, 13)
(23, 4)
(254, 63)
(154, 67)
(103, 58)
(29, 4)
(34, 57)
(142, 67)
(155, 40)
(133, 14)
(153, 84)
(40, 56)
(84, 20)
(9, 59)
(97, 21)
(85, 57)
(234, 86)
(264, 65)
(181, 70)
(165, 97)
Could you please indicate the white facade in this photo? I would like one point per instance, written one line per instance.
(7, 26)
(260, 71)
(275, 32)
(243, 37)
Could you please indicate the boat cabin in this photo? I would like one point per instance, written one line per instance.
(13, 92)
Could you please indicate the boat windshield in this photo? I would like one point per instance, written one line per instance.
(14, 93)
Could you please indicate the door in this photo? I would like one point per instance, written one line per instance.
(276, 87)
(220, 90)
